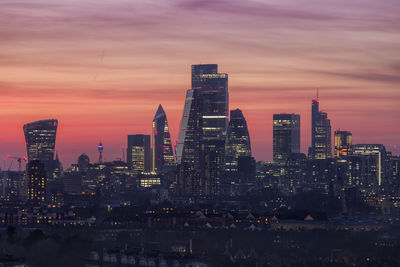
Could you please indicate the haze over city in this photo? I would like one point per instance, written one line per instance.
(102, 68)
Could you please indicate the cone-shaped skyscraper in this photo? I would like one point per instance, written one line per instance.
(163, 157)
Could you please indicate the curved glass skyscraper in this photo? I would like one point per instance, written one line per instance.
(40, 137)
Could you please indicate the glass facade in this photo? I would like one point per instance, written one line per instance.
(286, 136)
(40, 138)
(320, 133)
(374, 156)
(138, 153)
(163, 157)
(237, 140)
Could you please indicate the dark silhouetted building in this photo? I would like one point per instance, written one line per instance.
(211, 174)
(139, 153)
(36, 174)
(56, 170)
(83, 163)
(320, 174)
(163, 157)
(88, 181)
(246, 169)
(343, 143)
(40, 138)
(237, 140)
(372, 158)
(72, 182)
(149, 179)
(286, 136)
(320, 133)
(293, 175)
(11, 185)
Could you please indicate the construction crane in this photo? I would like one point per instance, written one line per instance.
(18, 159)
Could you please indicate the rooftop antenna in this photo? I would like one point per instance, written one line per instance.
(317, 94)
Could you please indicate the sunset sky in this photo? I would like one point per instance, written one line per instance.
(102, 67)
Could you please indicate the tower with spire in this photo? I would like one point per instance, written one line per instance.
(320, 132)
(100, 148)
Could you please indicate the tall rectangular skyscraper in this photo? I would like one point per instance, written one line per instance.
(139, 153)
(213, 104)
(203, 138)
(286, 136)
(321, 146)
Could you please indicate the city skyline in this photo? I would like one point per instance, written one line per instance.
(94, 154)
(104, 89)
(200, 133)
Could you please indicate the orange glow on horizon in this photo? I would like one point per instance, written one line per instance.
(102, 68)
